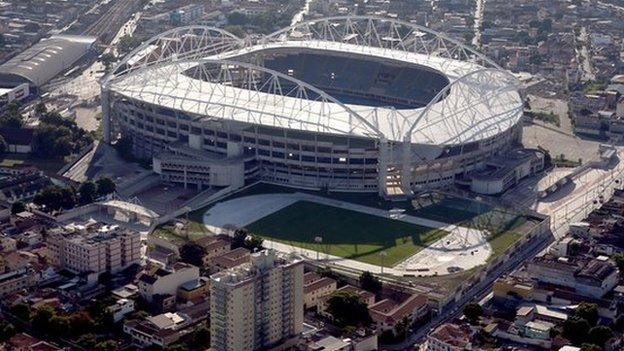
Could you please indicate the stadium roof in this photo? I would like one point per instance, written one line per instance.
(481, 100)
(43, 61)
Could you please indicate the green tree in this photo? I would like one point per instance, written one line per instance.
(41, 109)
(128, 43)
(108, 59)
(192, 253)
(4, 147)
(105, 186)
(587, 311)
(54, 197)
(347, 309)
(201, 338)
(21, 310)
(87, 341)
(590, 347)
(473, 312)
(17, 207)
(59, 325)
(87, 192)
(370, 283)
(7, 330)
(80, 323)
(108, 345)
(619, 261)
(41, 318)
(10, 120)
(575, 329)
(599, 335)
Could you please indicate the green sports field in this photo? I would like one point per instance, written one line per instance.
(345, 233)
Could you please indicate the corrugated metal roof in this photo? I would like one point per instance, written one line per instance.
(49, 57)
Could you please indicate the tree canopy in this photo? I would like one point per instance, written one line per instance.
(347, 309)
(370, 283)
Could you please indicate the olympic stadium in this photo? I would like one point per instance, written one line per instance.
(360, 104)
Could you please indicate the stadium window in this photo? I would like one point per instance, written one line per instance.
(278, 144)
(221, 145)
(342, 160)
(308, 158)
(235, 137)
(209, 132)
(263, 152)
(308, 148)
(172, 134)
(184, 127)
(324, 159)
(277, 154)
(251, 140)
(324, 149)
(222, 135)
(264, 142)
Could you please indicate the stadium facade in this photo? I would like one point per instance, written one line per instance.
(344, 103)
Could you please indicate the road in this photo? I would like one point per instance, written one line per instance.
(478, 21)
(588, 71)
(478, 292)
(572, 208)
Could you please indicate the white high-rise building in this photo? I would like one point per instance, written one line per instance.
(258, 305)
(93, 248)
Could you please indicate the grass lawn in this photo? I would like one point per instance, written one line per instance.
(345, 233)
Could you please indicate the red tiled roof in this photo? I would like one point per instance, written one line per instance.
(452, 334)
(391, 311)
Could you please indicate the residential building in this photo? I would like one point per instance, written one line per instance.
(16, 280)
(258, 305)
(27, 342)
(315, 287)
(449, 337)
(121, 308)
(165, 282)
(589, 277)
(161, 330)
(230, 259)
(388, 312)
(213, 246)
(94, 248)
(194, 289)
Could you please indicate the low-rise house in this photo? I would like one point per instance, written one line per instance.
(16, 280)
(194, 290)
(230, 260)
(449, 337)
(316, 287)
(27, 342)
(166, 281)
(161, 330)
(592, 278)
(121, 308)
(213, 246)
(388, 312)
